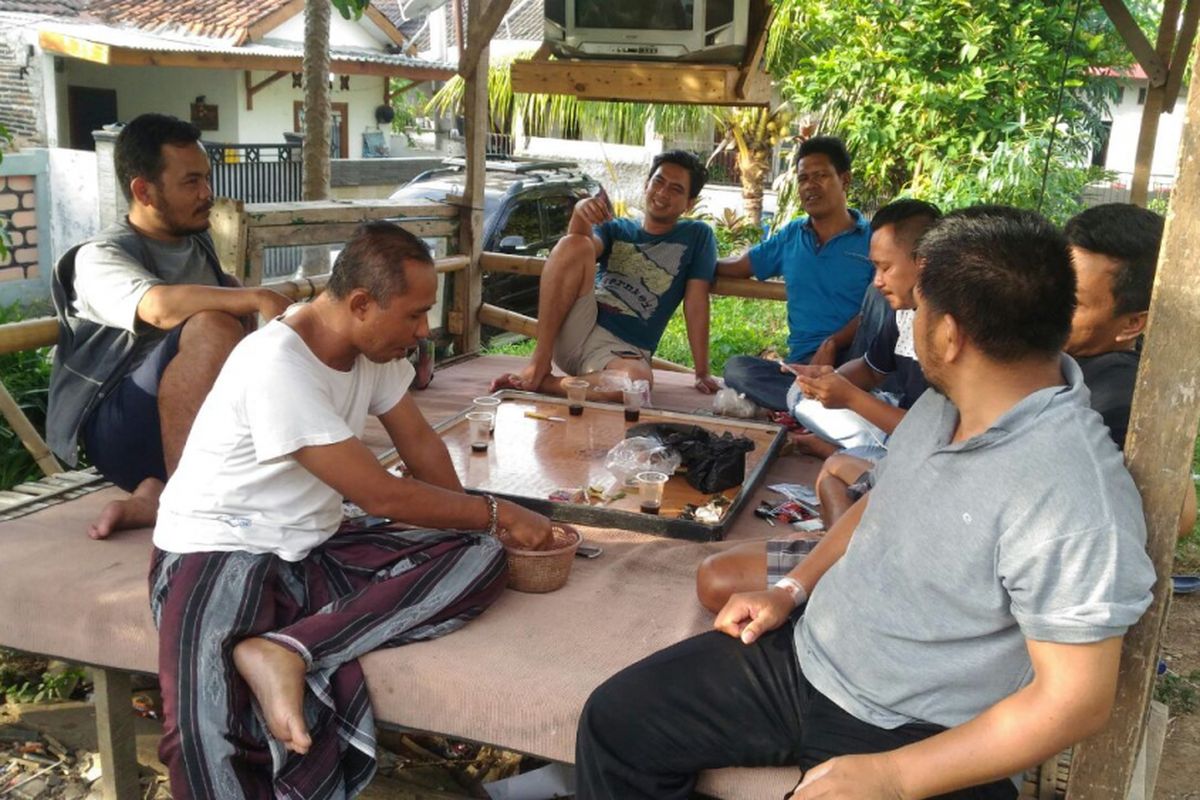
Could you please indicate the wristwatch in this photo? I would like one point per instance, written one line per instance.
(794, 588)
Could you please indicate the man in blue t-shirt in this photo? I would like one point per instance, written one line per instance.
(823, 261)
(611, 285)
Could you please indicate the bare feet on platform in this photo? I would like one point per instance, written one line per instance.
(810, 444)
(531, 379)
(139, 510)
(275, 676)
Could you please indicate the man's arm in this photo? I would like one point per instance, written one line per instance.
(1069, 699)
(735, 266)
(749, 615)
(827, 352)
(423, 451)
(166, 306)
(849, 386)
(696, 315)
(586, 215)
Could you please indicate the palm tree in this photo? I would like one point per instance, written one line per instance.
(316, 100)
(753, 131)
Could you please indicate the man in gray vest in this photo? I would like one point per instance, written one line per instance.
(146, 319)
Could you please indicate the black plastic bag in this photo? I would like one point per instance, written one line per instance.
(713, 463)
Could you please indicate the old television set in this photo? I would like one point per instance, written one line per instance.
(682, 30)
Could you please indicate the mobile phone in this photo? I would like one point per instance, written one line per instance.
(603, 195)
(588, 551)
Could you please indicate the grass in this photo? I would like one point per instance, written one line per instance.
(1187, 551)
(738, 326)
(26, 375)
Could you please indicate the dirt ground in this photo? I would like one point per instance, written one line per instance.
(1179, 775)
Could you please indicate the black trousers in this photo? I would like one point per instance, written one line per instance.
(711, 702)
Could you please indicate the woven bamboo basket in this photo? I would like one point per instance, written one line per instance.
(541, 571)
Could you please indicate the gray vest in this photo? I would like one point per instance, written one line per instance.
(91, 358)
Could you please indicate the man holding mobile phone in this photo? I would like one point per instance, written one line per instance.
(611, 285)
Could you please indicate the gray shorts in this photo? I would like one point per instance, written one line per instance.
(583, 346)
(783, 555)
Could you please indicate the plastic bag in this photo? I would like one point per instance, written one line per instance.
(714, 463)
(731, 403)
(639, 454)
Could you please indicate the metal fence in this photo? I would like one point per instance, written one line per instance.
(1116, 189)
(261, 173)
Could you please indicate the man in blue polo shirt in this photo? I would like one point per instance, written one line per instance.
(823, 260)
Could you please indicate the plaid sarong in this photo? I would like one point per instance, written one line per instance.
(360, 591)
(783, 555)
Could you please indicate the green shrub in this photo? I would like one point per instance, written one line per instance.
(26, 375)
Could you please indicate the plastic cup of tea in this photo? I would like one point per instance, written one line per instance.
(488, 405)
(576, 394)
(633, 403)
(650, 490)
(479, 429)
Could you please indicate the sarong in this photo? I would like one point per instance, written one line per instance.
(358, 592)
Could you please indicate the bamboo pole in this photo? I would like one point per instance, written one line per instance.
(28, 434)
(729, 287)
(29, 334)
(527, 326)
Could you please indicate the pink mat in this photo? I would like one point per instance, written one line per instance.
(517, 677)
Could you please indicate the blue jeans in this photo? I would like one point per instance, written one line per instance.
(760, 380)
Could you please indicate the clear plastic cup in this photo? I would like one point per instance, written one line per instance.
(576, 394)
(632, 398)
(488, 405)
(479, 430)
(650, 490)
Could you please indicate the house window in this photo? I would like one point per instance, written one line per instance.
(1142, 96)
(1120, 95)
(1100, 153)
(339, 132)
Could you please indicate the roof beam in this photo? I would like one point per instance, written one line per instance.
(254, 88)
(1136, 41)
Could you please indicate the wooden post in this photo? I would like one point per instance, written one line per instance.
(115, 735)
(468, 285)
(28, 434)
(1158, 450)
(1155, 103)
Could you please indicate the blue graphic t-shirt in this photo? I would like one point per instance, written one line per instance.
(641, 278)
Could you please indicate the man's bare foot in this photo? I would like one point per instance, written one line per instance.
(139, 510)
(533, 378)
(812, 445)
(275, 675)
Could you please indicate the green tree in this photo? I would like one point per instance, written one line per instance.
(954, 100)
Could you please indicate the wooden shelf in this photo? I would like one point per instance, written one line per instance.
(644, 81)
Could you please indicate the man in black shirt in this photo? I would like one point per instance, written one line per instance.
(1114, 248)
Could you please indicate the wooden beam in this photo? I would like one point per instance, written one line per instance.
(1153, 108)
(115, 735)
(1150, 61)
(1183, 46)
(762, 14)
(468, 285)
(272, 20)
(480, 33)
(29, 436)
(1158, 451)
(643, 81)
(76, 47)
(254, 88)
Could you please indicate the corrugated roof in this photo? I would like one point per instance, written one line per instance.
(166, 42)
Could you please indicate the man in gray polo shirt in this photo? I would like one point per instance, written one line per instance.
(966, 617)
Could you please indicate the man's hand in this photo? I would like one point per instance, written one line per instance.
(748, 615)
(830, 388)
(706, 384)
(804, 370)
(868, 777)
(271, 303)
(527, 528)
(593, 210)
(826, 354)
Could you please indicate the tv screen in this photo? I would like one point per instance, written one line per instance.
(664, 15)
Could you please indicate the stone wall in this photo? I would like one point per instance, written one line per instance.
(18, 209)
